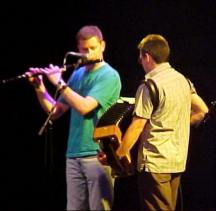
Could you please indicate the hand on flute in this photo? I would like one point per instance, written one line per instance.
(53, 73)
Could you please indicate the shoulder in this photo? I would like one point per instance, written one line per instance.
(142, 89)
(107, 67)
(109, 72)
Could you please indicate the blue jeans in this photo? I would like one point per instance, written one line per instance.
(89, 184)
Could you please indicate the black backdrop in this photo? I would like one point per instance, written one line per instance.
(38, 33)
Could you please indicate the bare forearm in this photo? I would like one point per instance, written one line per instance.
(82, 104)
(129, 139)
(197, 118)
(198, 109)
(131, 136)
(45, 100)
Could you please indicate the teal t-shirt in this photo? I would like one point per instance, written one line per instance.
(104, 85)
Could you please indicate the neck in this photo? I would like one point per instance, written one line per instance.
(150, 67)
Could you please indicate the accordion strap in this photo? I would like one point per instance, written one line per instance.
(153, 92)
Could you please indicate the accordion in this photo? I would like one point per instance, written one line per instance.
(109, 131)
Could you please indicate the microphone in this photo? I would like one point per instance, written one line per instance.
(76, 58)
(82, 56)
(83, 59)
(77, 54)
(89, 62)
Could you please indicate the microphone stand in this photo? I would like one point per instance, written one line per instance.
(47, 122)
(49, 148)
(47, 127)
(43, 127)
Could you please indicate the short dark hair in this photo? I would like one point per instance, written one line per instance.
(156, 46)
(89, 31)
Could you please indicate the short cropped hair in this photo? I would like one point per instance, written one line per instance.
(89, 31)
(156, 46)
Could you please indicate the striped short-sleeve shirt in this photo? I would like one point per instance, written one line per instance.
(165, 138)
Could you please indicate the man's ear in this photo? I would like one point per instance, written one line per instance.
(103, 45)
(147, 57)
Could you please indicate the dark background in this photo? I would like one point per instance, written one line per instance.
(36, 33)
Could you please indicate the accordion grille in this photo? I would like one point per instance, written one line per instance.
(115, 114)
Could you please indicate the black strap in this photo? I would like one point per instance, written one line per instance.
(153, 92)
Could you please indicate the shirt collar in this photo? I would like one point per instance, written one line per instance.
(161, 67)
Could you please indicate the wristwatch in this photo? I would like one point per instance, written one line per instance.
(61, 85)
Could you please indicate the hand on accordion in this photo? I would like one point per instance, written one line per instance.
(122, 154)
(101, 156)
(128, 157)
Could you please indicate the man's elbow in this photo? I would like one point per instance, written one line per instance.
(197, 118)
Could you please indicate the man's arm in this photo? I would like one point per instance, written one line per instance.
(198, 109)
(45, 99)
(49, 104)
(131, 136)
(82, 104)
